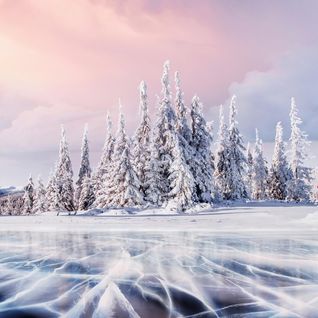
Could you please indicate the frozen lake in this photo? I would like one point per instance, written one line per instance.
(157, 274)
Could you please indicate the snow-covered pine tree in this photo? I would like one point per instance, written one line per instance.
(259, 171)
(28, 197)
(236, 186)
(201, 162)
(182, 126)
(249, 169)
(101, 175)
(87, 196)
(40, 202)
(153, 193)
(50, 192)
(279, 174)
(141, 154)
(164, 136)
(299, 188)
(85, 168)
(9, 207)
(182, 181)
(222, 160)
(123, 188)
(63, 178)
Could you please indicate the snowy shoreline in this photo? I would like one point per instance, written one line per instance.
(236, 219)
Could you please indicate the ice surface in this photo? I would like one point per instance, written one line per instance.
(157, 274)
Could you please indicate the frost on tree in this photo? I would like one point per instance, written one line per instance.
(249, 170)
(40, 203)
(101, 175)
(123, 188)
(222, 160)
(63, 178)
(141, 154)
(85, 168)
(299, 188)
(279, 174)
(236, 186)
(87, 196)
(181, 180)
(259, 171)
(28, 197)
(201, 162)
(164, 136)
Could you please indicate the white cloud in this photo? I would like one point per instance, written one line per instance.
(264, 97)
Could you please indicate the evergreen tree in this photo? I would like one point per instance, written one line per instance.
(236, 186)
(123, 187)
(259, 171)
(201, 145)
(63, 179)
(141, 154)
(87, 196)
(182, 182)
(249, 170)
(279, 174)
(85, 168)
(222, 160)
(102, 175)
(28, 197)
(164, 136)
(299, 188)
(40, 203)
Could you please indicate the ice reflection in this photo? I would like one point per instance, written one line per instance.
(148, 274)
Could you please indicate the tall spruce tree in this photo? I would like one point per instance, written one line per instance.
(141, 154)
(63, 178)
(164, 139)
(279, 174)
(123, 188)
(28, 197)
(40, 203)
(102, 173)
(222, 160)
(201, 144)
(299, 188)
(236, 186)
(259, 171)
(249, 170)
(85, 168)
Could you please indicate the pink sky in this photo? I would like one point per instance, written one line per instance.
(69, 62)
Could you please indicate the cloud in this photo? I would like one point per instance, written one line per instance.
(264, 97)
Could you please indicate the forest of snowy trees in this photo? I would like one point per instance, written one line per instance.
(171, 162)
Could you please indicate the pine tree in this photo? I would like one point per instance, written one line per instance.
(63, 178)
(102, 175)
(299, 188)
(279, 174)
(249, 170)
(85, 168)
(123, 187)
(182, 181)
(141, 154)
(87, 196)
(201, 144)
(236, 186)
(40, 203)
(28, 197)
(222, 160)
(164, 136)
(259, 171)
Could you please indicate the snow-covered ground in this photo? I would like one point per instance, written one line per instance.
(250, 217)
(251, 261)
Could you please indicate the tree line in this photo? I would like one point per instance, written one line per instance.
(172, 163)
